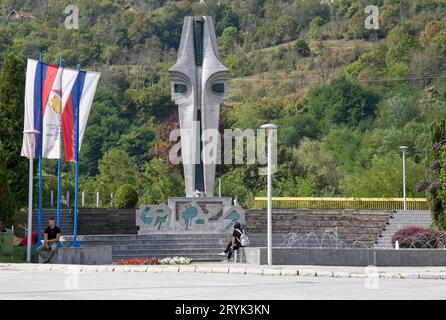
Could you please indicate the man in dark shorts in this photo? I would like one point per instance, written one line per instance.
(235, 243)
(50, 239)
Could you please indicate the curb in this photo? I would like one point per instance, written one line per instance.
(228, 269)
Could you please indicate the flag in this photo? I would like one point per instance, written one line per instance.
(53, 110)
(40, 78)
(76, 112)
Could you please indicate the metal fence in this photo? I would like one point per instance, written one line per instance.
(342, 203)
(86, 200)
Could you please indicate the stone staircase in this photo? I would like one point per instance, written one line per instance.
(66, 220)
(403, 219)
(360, 226)
(198, 247)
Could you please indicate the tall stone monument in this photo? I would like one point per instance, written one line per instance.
(199, 86)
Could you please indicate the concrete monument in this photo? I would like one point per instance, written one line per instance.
(199, 86)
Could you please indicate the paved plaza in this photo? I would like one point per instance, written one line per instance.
(71, 282)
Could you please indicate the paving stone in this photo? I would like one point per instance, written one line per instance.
(307, 273)
(428, 275)
(171, 268)
(392, 276)
(44, 267)
(358, 275)
(106, 268)
(122, 269)
(410, 275)
(237, 270)
(324, 273)
(254, 270)
(271, 272)
(220, 269)
(154, 269)
(23, 267)
(289, 272)
(341, 274)
(138, 268)
(90, 269)
(203, 269)
(67, 268)
(188, 269)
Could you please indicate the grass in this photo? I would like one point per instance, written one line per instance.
(18, 256)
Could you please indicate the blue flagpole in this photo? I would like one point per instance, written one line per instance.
(75, 243)
(59, 163)
(39, 213)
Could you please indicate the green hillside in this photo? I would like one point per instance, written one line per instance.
(345, 98)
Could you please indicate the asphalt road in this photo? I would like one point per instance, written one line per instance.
(134, 285)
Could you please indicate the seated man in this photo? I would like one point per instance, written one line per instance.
(50, 238)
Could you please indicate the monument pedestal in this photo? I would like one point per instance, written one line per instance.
(189, 215)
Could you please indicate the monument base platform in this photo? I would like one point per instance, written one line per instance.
(189, 215)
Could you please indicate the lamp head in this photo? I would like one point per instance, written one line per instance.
(269, 126)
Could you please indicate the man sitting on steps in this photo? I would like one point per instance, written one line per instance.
(50, 239)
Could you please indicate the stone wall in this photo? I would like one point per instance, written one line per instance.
(345, 257)
(97, 221)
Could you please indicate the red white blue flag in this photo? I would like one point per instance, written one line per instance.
(77, 109)
(40, 78)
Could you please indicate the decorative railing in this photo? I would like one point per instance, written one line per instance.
(342, 203)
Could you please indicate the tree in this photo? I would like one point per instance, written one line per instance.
(12, 87)
(160, 181)
(7, 203)
(383, 178)
(397, 110)
(341, 102)
(301, 48)
(316, 161)
(228, 40)
(402, 51)
(116, 168)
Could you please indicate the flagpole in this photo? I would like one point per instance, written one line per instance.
(59, 161)
(31, 136)
(39, 213)
(75, 243)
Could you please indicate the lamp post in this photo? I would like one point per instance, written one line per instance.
(31, 138)
(404, 149)
(271, 130)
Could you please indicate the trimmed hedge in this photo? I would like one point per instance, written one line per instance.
(126, 197)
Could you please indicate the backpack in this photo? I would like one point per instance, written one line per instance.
(244, 240)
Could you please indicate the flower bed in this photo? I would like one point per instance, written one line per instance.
(153, 261)
(175, 260)
(138, 261)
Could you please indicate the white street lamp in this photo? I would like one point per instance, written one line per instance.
(271, 130)
(31, 138)
(404, 149)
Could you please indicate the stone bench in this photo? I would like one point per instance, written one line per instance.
(97, 255)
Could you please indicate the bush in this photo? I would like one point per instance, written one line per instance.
(417, 237)
(126, 197)
(302, 48)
